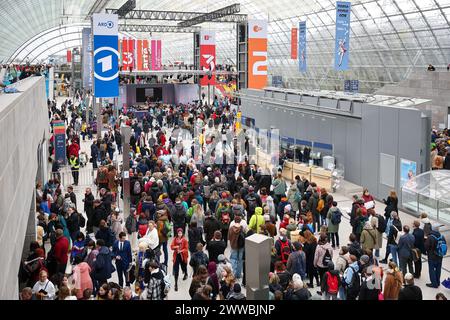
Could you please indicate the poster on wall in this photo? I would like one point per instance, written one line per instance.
(59, 131)
(302, 46)
(257, 54)
(343, 10)
(408, 172)
(208, 56)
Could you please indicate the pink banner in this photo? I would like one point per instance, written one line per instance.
(159, 55)
(153, 45)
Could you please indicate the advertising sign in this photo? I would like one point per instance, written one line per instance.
(294, 43)
(208, 56)
(106, 55)
(408, 172)
(59, 130)
(302, 46)
(343, 10)
(159, 55)
(257, 54)
(145, 56)
(87, 58)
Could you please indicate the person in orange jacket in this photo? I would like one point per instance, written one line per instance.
(180, 248)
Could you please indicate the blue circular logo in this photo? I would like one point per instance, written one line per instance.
(110, 24)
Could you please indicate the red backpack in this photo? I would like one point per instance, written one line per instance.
(363, 210)
(285, 251)
(143, 229)
(332, 283)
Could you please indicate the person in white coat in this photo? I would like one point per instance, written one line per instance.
(44, 288)
(151, 237)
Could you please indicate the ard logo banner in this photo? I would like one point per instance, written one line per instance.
(257, 54)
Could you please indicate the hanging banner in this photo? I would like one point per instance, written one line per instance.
(257, 54)
(87, 58)
(139, 56)
(153, 49)
(106, 55)
(159, 55)
(145, 56)
(132, 53)
(69, 56)
(302, 46)
(208, 56)
(343, 10)
(59, 131)
(294, 43)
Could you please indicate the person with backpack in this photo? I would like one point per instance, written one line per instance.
(155, 286)
(179, 216)
(379, 224)
(216, 246)
(236, 235)
(195, 236)
(252, 201)
(105, 233)
(425, 224)
(405, 248)
(330, 283)
(198, 258)
(297, 261)
(283, 246)
(102, 268)
(360, 222)
(368, 290)
(313, 206)
(132, 228)
(164, 229)
(294, 196)
(323, 255)
(395, 227)
(436, 248)
(351, 279)
(257, 220)
(334, 219)
(225, 216)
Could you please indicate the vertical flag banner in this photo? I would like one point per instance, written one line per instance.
(87, 58)
(153, 45)
(159, 54)
(302, 46)
(145, 56)
(257, 54)
(69, 56)
(126, 59)
(294, 43)
(343, 10)
(139, 55)
(131, 54)
(106, 55)
(208, 56)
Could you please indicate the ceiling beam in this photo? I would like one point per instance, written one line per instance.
(214, 15)
(157, 29)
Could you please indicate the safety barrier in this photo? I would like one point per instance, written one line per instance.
(66, 176)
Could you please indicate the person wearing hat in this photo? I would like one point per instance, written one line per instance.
(410, 291)
(236, 293)
(297, 290)
(297, 261)
(222, 263)
(180, 248)
(369, 291)
(434, 256)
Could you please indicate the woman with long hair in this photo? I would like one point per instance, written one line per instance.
(180, 248)
(309, 247)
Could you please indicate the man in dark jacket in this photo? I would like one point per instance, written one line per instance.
(72, 195)
(297, 261)
(122, 253)
(410, 291)
(419, 243)
(103, 267)
(405, 246)
(216, 246)
(253, 201)
(99, 214)
(312, 206)
(179, 216)
(94, 154)
(73, 223)
(89, 209)
(210, 226)
(106, 198)
(105, 234)
(434, 258)
(154, 282)
(395, 226)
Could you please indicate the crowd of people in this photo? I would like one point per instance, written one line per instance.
(203, 205)
(440, 149)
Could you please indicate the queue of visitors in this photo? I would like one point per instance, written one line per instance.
(202, 205)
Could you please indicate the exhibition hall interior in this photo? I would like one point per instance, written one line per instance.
(224, 150)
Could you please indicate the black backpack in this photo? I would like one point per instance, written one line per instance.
(355, 284)
(241, 239)
(326, 258)
(381, 224)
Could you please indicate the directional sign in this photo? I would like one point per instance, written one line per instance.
(106, 56)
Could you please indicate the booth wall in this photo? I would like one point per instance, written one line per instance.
(23, 126)
(171, 93)
(357, 141)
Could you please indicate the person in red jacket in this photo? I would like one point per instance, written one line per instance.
(180, 248)
(74, 149)
(61, 251)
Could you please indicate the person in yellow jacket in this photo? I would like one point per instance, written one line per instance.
(257, 220)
